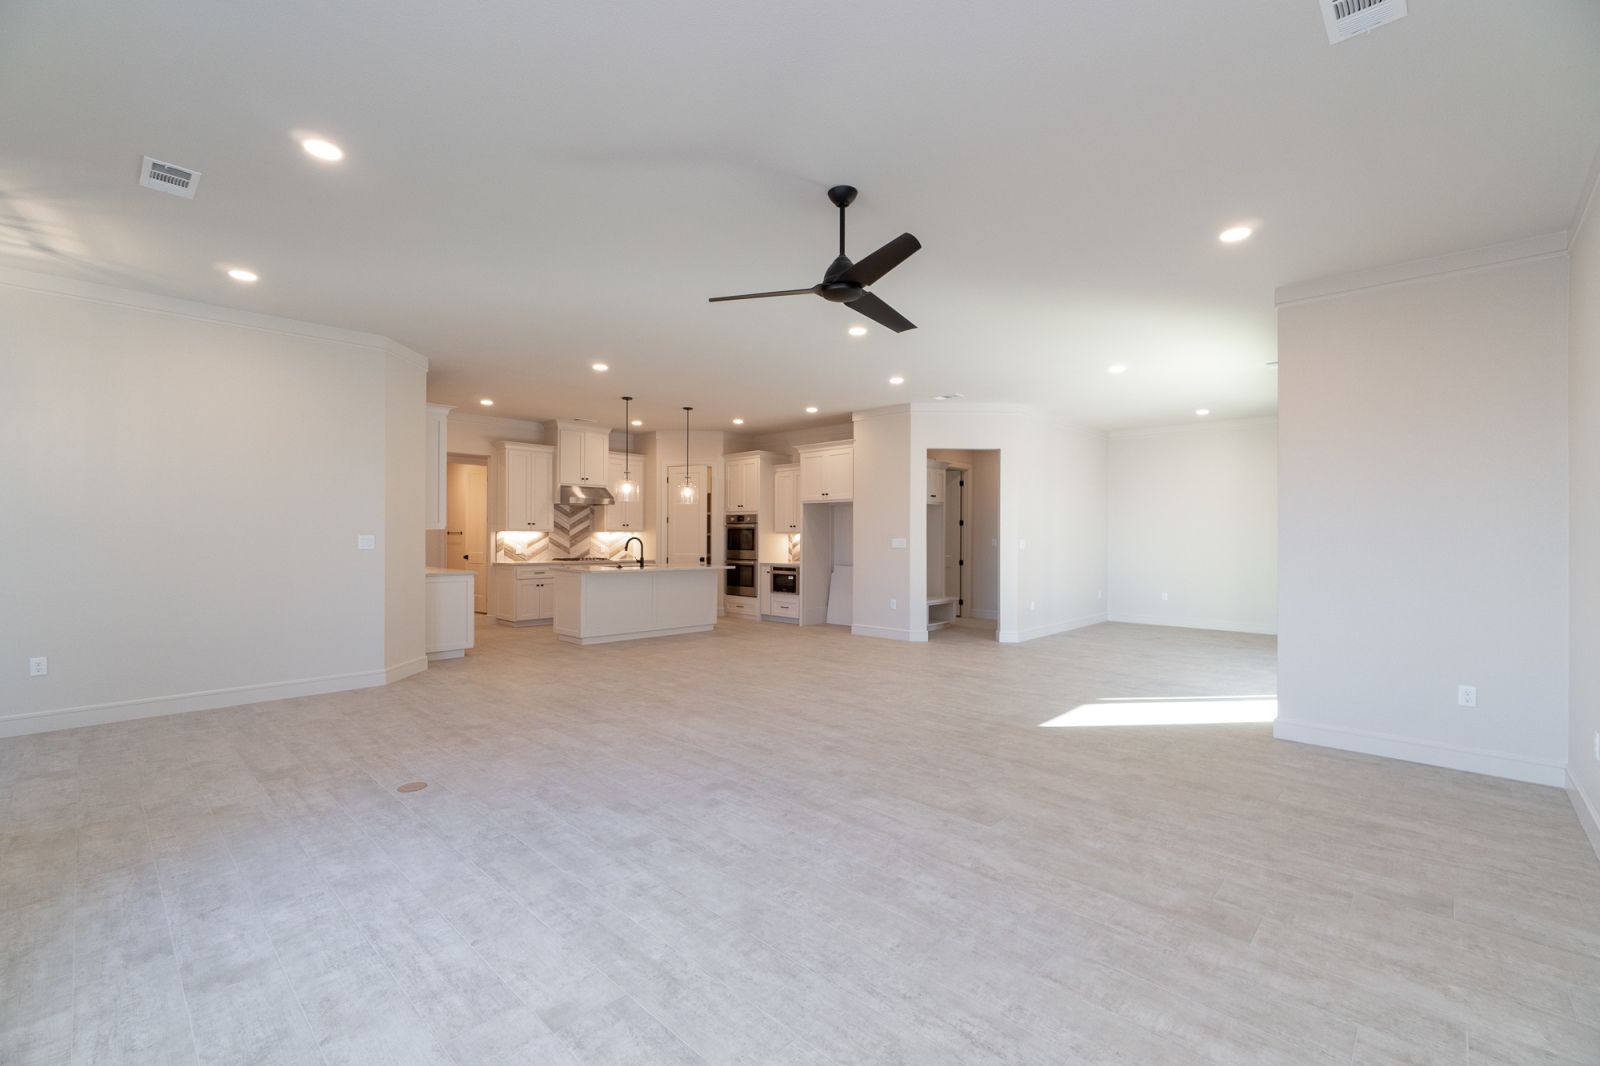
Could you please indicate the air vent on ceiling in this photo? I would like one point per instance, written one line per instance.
(1351, 18)
(164, 177)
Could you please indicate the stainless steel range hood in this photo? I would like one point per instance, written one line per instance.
(586, 496)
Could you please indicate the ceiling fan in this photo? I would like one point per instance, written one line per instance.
(846, 282)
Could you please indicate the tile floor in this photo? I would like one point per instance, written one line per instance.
(776, 846)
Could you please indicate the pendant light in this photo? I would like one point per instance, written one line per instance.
(687, 493)
(627, 492)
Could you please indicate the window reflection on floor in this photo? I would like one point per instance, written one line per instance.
(1170, 710)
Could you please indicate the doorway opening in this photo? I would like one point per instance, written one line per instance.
(963, 498)
(467, 522)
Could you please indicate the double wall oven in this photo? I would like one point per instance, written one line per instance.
(742, 555)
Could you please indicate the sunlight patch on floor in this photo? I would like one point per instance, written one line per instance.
(1170, 710)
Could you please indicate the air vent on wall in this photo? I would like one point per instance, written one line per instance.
(1351, 18)
(164, 177)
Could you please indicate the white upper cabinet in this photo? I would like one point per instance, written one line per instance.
(438, 458)
(582, 455)
(786, 499)
(528, 484)
(742, 484)
(827, 472)
(936, 481)
(624, 516)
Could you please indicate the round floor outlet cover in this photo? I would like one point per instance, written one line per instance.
(414, 786)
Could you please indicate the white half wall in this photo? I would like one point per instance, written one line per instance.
(1423, 518)
(183, 487)
(1584, 397)
(1194, 525)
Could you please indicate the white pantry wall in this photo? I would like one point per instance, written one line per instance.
(183, 487)
(1194, 517)
(1584, 748)
(1423, 517)
(1050, 513)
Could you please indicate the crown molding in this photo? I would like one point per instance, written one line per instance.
(1544, 246)
(194, 310)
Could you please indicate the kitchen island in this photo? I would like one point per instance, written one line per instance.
(607, 603)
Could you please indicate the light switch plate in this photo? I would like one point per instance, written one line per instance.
(1467, 695)
(366, 542)
(897, 542)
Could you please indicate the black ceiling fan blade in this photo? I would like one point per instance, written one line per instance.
(764, 295)
(881, 313)
(883, 260)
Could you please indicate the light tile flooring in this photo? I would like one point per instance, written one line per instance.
(777, 846)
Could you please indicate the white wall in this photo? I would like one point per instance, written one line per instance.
(1194, 516)
(1584, 762)
(183, 487)
(1052, 498)
(885, 509)
(1423, 518)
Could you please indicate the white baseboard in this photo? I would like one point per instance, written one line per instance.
(17, 725)
(1017, 636)
(1588, 813)
(1226, 625)
(407, 668)
(987, 613)
(1472, 760)
(885, 633)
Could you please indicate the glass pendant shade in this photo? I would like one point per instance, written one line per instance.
(627, 491)
(687, 493)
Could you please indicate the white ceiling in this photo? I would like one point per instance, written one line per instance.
(531, 187)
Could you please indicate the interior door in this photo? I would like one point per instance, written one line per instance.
(954, 539)
(688, 525)
(467, 526)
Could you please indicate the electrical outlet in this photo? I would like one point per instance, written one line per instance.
(366, 542)
(1163, 597)
(894, 605)
(1022, 545)
(1467, 695)
(1033, 605)
(1597, 745)
(1100, 594)
(38, 666)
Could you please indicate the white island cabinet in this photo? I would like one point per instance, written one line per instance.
(602, 604)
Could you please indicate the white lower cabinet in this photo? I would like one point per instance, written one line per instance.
(742, 606)
(524, 595)
(448, 613)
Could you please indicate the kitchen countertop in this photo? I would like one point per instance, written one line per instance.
(629, 568)
(434, 571)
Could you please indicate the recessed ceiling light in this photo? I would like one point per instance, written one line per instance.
(949, 396)
(858, 331)
(638, 421)
(1273, 363)
(1116, 368)
(1234, 234)
(1202, 411)
(325, 150)
(738, 421)
(811, 410)
(241, 274)
(487, 403)
(897, 380)
(601, 367)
